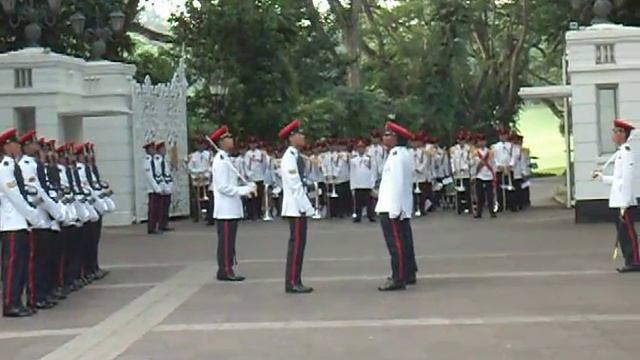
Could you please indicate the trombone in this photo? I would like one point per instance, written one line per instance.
(267, 208)
(316, 213)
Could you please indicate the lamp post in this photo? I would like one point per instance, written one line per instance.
(218, 91)
(32, 13)
(98, 35)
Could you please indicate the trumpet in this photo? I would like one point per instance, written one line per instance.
(333, 194)
(267, 209)
(460, 185)
(416, 188)
(509, 185)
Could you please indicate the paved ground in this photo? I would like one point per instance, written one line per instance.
(525, 286)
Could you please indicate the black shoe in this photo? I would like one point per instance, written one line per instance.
(101, 274)
(211, 223)
(628, 269)
(167, 229)
(392, 285)
(16, 312)
(372, 220)
(232, 278)
(52, 300)
(66, 291)
(31, 310)
(58, 294)
(298, 289)
(357, 220)
(477, 216)
(493, 215)
(154, 232)
(411, 280)
(43, 305)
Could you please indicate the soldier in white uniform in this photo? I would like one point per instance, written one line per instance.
(228, 206)
(622, 197)
(395, 203)
(15, 213)
(460, 156)
(484, 170)
(362, 180)
(167, 180)
(502, 152)
(296, 206)
(256, 162)
(376, 151)
(517, 163)
(154, 187)
(200, 165)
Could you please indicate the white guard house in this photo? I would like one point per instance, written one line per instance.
(603, 83)
(69, 99)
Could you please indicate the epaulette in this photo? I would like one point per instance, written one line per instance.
(394, 152)
(627, 147)
(147, 157)
(221, 156)
(5, 163)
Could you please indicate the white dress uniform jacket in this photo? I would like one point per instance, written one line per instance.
(395, 195)
(14, 209)
(256, 163)
(516, 161)
(621, 195)
(227, 192)
(376, 151)
(98, 204)
(29, 169)
(342, 166)
(199, 161)
(160, 176)
(460, 161)
(363, 172)
(295, 202)
(502, 151)
(420, 163)
(151, 176)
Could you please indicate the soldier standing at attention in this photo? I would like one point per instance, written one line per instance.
(622, 197)
(395, 204)
(14, 214)
(296, 206)
(152, 174)
(227, 209)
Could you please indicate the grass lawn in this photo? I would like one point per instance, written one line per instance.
(540, 130)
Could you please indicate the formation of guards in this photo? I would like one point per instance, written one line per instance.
(469, 177)
(52, 201)
(157, 171)
(391, 177)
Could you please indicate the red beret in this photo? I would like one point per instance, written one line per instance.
(51, 143)
(78, 149)
(399, 130)
(61, 149)
(8, 136)
(159, 144)
(287, 130)
(42, 141)
(480, 137)
(28, 137)
(361, 143)
(375, 133)
(623, 124)
(219, 133)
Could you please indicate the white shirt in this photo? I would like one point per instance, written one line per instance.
(516, 161)
(484, 168)
(395, 195)
(14, 209)
(460, 160)
(502, 152)
(151, 173)
(420, 163)
(363, 172)
(621, 194)
(256, 163)
(376, 151)
(200, 161)
(295, 202)
(226, 191)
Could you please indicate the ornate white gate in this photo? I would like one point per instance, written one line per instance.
(162, 110)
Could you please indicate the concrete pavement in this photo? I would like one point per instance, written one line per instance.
(523, 286)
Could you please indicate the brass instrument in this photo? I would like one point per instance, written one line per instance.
(200, 181)
(354, 214)
(267, 208)
(316, 213)
(416, 188)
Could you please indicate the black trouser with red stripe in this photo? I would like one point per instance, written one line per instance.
(399, 239)
(15, 257)
(484, 196)
(295, 251)
(627, 237)
(227, 231)
(38, 283)
(165, 204)
(155, 211)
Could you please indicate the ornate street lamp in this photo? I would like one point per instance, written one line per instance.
(601, 11)
(99, 35)
(31, 13)
(218, 91)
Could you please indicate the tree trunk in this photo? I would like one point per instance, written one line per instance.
(352, 43)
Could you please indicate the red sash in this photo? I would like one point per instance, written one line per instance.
(484, 162)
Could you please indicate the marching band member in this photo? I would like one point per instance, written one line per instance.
(199, 167)
(376, 151)
(167, 181)
(395, 207)
(526, 173)
(484, 177)
(441, 171)
(154, 187)
(341, 164)
(276, 193)
(420, 162)
(296, 206)
(15, 214)
(362, 180)
(622, 197)
(460, 167)
(516, 204)
(256, 161)
(228, 206)
(502, 152)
